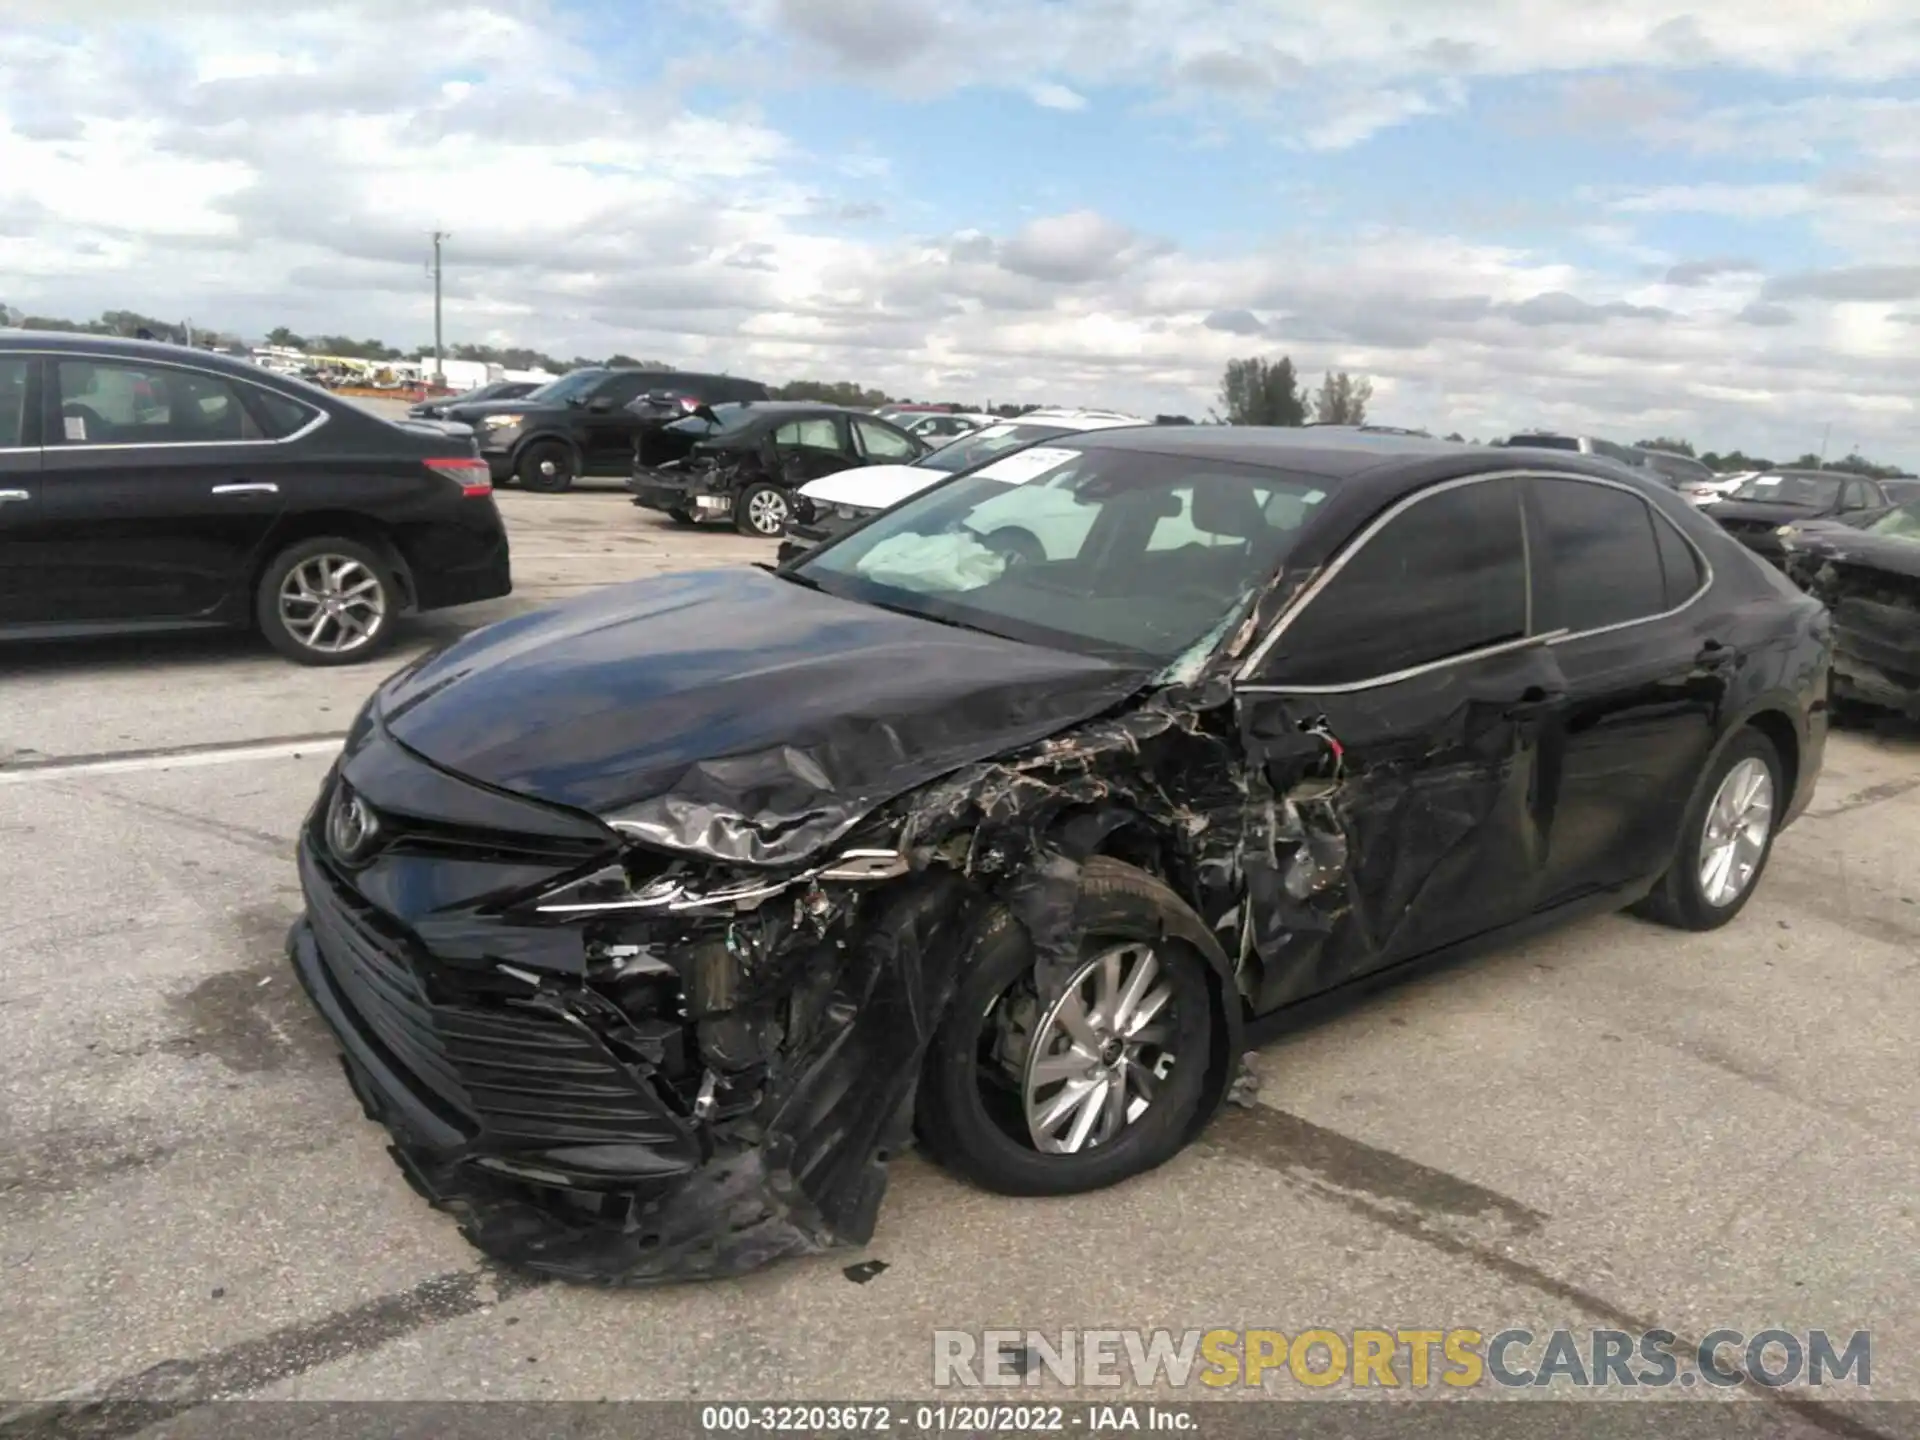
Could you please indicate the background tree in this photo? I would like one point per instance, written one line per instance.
(1257, 391)
(832, 392)
(280, 335)
(1667, 445)
(1342, 400)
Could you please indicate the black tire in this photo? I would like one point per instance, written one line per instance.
(681, 517)
(546, 467)
(327, 553)
(1680, 899)
(767, 495)
(1020, 546)
(972, 1133)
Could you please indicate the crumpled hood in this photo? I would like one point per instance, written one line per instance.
(873, 486)
(1780, 512)
(730, 712)
(1888, 554)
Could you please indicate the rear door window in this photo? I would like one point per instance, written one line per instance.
(118, 402)
(1603, 564)
(1445, 577)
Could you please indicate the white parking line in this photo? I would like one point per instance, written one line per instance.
(25, 773)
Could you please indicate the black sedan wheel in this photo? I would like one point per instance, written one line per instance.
(327, 601)
(762, 510)
(546, 466)
(1725, 839)
(1083, 1088)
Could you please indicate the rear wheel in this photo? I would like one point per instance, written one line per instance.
(1725, 839)
(546, 466)
(1032, 1095)
(762, 510)
(328, 601)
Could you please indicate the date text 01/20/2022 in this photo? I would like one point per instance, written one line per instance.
(943, 1419)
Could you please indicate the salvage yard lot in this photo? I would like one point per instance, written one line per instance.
(1617, 1125)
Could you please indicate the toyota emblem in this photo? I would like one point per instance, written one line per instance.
(351, 827)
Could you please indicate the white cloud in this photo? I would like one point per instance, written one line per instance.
(250, 178)
(1049, 95)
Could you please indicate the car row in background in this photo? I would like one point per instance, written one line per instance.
(150, 487)
(831, 506)
(594, 421)
(1689, 476)
(746, 462)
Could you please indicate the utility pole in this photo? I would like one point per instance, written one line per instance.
(439, 373)
(1825, 435)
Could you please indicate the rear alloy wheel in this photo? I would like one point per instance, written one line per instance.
(762, 510)
(1725, 839)
(328, 601)
(546, 466)
(1099, 1082)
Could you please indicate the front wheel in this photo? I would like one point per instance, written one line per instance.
(1026, 1094)
(1725, 840)
(546, 466)
(762, 510)
(327, 601)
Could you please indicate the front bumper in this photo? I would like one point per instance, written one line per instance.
(595, 1125)
(824, 525)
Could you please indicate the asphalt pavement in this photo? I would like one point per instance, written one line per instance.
(1615, 1126)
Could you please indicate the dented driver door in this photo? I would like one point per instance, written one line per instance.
(1399, 792)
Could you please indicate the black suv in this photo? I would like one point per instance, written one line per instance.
(591, 422)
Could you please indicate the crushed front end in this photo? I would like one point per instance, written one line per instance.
(609, 1064)
(1876, 623)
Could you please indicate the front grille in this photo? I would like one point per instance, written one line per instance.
(509, 1076)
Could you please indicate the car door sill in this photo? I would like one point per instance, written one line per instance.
(86, 629)
(1264, 1029)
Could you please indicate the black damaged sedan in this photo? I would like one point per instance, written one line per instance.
(654, 924)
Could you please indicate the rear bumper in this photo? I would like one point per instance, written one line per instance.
(695, 494)
(464, 565)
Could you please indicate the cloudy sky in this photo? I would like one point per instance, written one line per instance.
(1698, 219)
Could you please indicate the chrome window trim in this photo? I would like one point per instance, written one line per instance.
(1243, 677)
(320, 416)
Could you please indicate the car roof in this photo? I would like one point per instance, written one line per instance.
(796, 407)
(63, 342)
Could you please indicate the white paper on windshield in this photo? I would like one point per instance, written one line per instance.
(76, 427)
(1768, 480)
(1024, 466)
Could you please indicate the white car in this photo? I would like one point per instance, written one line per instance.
(943, 427)
(840, 501)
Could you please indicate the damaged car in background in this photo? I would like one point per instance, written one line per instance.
(654, 924)
(745, 462)
(1866, 569)
(1754, 512)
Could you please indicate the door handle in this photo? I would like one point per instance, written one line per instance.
(8, 496)
(248, 487)
(1534, 700)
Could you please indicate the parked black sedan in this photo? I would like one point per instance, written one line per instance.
(652, 925)
(1866, 567)
(1754, 513)
(150, 487)
(745, 462)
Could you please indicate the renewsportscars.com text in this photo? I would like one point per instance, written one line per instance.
(1457, 1358)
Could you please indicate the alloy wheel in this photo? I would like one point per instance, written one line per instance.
(767, 512)
(333, 604)
(1099, 1055)
(1737, 826)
